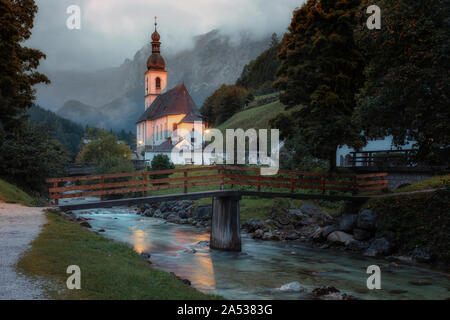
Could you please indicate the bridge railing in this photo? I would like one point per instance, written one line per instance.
(139, 183)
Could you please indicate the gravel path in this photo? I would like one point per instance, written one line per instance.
(19, 226)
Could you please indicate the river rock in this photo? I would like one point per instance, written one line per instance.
(292, 236)
(322, 291)
(203, 212)
(378, 247)
(258, 234)
(173, 217)
(361, 235)
(253, 224)
(356, 245)
(315, 215)
(202, 244)
(148, 212)
(85, 224)
(328, 229)
(367, 220)
(292, 287)
(346, 222)
(145, 255)
(339, 237)
(157, 213)
(423, 254)
(316, 234)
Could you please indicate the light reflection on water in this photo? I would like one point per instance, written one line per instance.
(262, 266)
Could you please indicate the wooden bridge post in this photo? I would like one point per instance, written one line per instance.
(226, 224)
(102, 182)
(322, 180)
(185, 182)
(291, 175)
(222, 183)
(144, 184)
(55, 185)
(259, 180)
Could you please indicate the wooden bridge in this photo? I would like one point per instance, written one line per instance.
(224, 184)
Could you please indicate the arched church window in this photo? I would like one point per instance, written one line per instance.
(158, 83)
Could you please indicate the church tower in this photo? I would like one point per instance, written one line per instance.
(156, 75)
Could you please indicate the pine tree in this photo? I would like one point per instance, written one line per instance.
(321, 71)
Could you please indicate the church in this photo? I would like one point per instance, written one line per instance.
(170, 116)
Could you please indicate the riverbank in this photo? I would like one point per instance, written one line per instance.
(109, 270)
(411, 228)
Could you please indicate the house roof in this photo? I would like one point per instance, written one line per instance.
(175, 101)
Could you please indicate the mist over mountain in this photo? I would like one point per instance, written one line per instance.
(114, 97)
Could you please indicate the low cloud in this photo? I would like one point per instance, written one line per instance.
(113, 30)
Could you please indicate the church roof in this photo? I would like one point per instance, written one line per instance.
(191, 118)
(173, 102)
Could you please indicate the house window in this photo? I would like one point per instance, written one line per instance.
(158, 83)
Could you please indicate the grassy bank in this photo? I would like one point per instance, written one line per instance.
(109, 270)
(417, 220)
(12, 194)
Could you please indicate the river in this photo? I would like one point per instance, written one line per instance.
(262, 266)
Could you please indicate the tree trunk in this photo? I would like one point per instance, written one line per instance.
(333, 160)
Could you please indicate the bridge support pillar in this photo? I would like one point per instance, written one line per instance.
(226, 224)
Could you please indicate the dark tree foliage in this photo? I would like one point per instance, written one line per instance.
(161, 162)
(223, 103)
(259, 74)
(320, 73)
(17, 63)
(65, 131)
(406, 94)
(30, 155)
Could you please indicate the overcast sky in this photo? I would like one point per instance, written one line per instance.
(113, 30)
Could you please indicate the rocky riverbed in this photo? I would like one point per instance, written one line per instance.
(354, 231)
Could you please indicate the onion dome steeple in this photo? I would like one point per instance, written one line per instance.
(155, 61)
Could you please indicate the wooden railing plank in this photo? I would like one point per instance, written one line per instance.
(286, 179)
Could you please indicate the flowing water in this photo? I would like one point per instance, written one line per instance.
(262, 266)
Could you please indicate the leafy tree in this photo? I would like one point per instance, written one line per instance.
(30, 155)
(98, 145)
(406, 93)
(114, 164)
(18, 63)
(320, 73)
(223, 103)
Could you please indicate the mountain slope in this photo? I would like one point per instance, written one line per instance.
(256, 117)
(117, 94)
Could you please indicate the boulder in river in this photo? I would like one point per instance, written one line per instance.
(315, 215)
(339, 237)
(292, 287)
(367, 220)
(253, 224)
(378, 247)
(425, 254)
(347, 222)
(361, 234)
(203, 212)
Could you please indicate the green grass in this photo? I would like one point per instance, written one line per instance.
(109, 270)
(257, 118)
(437, 182)
(12, 194)
(417, 220)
